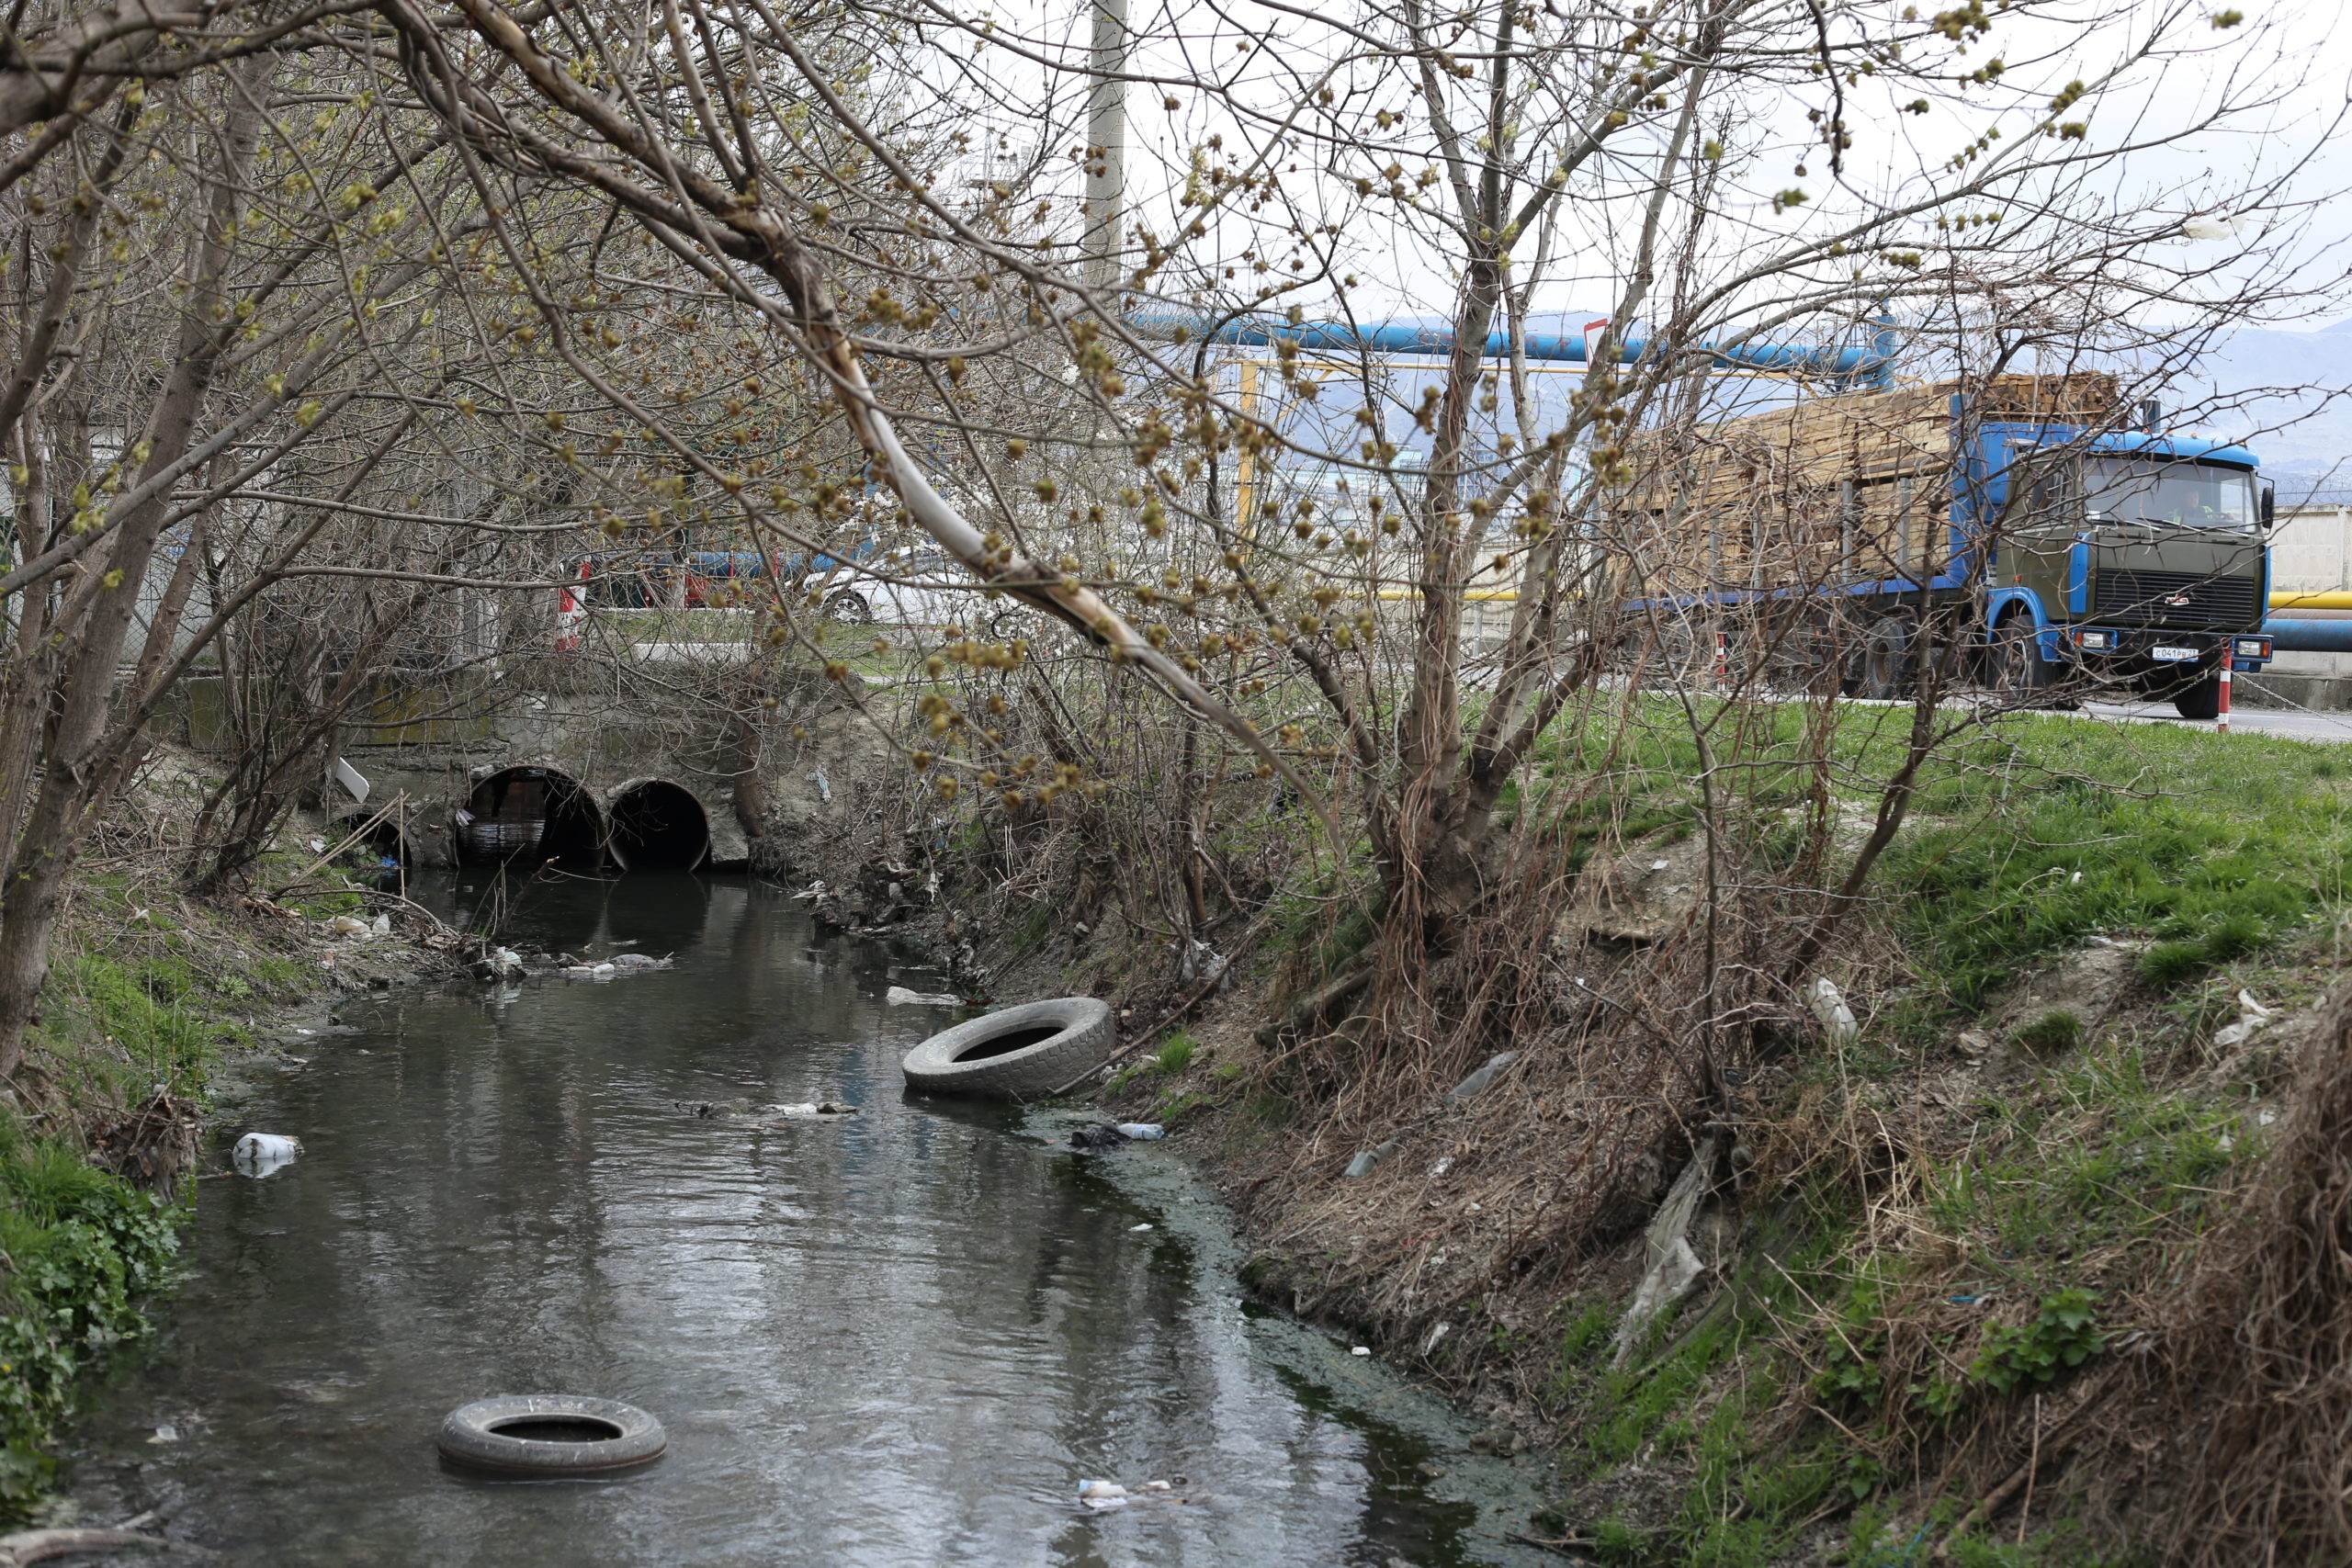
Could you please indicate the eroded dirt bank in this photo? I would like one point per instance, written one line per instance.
(1952, 1279)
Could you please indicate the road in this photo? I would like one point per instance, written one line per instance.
(2290, 723)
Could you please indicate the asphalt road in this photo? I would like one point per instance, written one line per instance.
(2293, 724)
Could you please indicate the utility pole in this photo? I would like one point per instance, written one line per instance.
(1106, 137)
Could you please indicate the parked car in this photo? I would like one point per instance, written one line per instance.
(911, 587)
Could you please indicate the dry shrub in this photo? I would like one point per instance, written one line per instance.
(2263, 1365)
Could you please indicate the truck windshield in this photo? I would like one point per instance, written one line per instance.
(2141, 489)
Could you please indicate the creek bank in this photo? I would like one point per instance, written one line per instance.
(158, 1009)
(1949, 1223)
(1896, 1265)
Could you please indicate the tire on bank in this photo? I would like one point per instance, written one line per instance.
(1015, 1053)
(551, 1435)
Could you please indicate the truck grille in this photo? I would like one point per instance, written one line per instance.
(2175, 599)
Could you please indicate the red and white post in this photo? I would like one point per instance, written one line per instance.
(570, 615)
(2221, 719)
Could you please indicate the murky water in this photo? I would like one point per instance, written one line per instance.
(902, 1337)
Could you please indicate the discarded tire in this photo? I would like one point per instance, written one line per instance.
(551, 1435)
(1015, 1053)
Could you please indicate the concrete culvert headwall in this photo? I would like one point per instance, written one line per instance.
(658, 825)
(533, 815)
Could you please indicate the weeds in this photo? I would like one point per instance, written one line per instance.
(84, 1249)
(2059, 1338)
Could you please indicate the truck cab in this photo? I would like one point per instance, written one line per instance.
(2139, 560)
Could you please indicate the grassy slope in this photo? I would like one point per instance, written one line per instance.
(2012, 1237)
(1935, 1238)
(147, 992)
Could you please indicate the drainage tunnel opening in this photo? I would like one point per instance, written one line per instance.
(531, 814)
(659, 825)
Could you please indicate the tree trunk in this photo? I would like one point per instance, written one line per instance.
(97, 614)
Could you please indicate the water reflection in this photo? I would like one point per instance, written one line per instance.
(897, 1338)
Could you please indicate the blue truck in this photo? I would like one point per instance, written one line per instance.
(2017, 526)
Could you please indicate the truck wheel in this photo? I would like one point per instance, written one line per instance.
(1886, 658)
(2201, 698)
(2018, 668)
(849, 608)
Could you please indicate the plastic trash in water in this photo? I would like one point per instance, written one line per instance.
(1143, 1131)
(899, 997)
(1361, 1350)
(1137, 1230)
(263, 1153)
(1101, 1494)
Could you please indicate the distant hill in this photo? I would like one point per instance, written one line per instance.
(2289, 396)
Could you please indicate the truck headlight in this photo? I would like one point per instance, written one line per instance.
(2252, 647)
(2095, 642)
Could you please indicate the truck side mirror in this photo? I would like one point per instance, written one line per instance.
(2266, 506)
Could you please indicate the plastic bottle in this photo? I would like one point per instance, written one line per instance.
(258, 1154)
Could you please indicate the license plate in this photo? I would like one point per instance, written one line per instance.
(2164, 655)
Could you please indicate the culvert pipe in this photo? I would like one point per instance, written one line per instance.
(657, 824)
(530, 813)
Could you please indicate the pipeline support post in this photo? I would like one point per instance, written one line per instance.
(1106, 150)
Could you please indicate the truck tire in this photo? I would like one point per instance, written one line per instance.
(850, 608)
(2018, 668)
(551, 1435)
(2201, 698)
(1886, 658)
(1015, 1053)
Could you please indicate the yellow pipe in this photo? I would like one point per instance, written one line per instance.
(2328, 599)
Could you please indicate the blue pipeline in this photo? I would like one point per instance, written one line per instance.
(2291, 635)
(1873, 366)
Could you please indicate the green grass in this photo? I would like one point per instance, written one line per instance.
(85, 1249)
(2054, 1033)
(2054, 830)
(2026, 837)
(2100, 1152)
(2223, 854)
(1176, 1055)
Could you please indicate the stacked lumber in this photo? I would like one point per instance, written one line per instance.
(1845, 487)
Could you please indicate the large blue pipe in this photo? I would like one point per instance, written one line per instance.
(2295, 634)
(1872, 366)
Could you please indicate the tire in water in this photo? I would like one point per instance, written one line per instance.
(1015, 1053)
(550, 1435)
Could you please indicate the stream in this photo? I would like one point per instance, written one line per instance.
(904, 1337)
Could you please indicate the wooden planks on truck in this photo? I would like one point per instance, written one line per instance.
(1849, 487)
